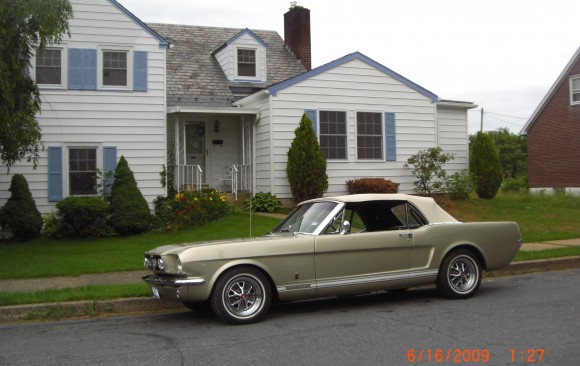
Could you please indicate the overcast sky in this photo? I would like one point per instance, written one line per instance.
(502, 55)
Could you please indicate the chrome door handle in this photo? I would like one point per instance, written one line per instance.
(407, 235)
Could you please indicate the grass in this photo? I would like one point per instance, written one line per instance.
(46, 257)
(541, 218)
(93, 293)
(548, 253)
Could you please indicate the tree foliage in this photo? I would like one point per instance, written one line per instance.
(25, 26)
(129, 210)
(20, 215)
(306, 167)
(485, 166)
(428, 169)
(512, 151)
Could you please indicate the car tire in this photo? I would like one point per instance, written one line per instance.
(241, 296)
(459, 275)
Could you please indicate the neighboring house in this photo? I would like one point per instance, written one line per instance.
(553, 134)
(103, 96)
(235, 97)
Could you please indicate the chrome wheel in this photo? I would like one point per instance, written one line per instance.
(241, 296)
(459, 274)
(462, 274)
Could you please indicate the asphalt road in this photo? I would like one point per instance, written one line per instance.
(533, 316)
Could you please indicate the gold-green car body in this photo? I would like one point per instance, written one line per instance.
(344, 245)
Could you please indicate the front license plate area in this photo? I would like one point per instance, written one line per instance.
(155, 292)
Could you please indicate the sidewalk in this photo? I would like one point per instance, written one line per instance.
(142, 305)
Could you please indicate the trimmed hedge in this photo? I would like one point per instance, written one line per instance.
(20, 215)
(371, 185)
(81, 217)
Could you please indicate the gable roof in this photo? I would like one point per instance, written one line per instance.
(273, 90)
(234, 38)
(162, 42)
(194, 76)
(573, 61)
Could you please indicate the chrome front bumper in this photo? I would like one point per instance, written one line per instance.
(173, 281)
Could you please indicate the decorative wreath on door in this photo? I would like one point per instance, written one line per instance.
(201, 130)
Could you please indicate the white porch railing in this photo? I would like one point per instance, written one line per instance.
(189, 177)
(240, 179)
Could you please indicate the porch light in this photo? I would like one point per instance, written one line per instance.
(216, 126)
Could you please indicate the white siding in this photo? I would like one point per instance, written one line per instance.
(453, 137)
(133, 122)
(351, 87)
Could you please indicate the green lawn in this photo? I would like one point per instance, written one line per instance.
(541, 218)
(46, 257)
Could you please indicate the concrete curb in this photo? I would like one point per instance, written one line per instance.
(126, 306)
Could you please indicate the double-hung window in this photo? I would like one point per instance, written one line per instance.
(333, 134)
(575, 90)
(82, 163)
(49, 67)
(115, 68)
(247, 62)
(369, 138)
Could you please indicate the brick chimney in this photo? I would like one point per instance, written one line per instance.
(297, 33)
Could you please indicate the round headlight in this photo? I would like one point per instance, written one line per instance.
(146, 262)
(160, 264)
(179, 266)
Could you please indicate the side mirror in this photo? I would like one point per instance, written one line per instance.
(345, 228)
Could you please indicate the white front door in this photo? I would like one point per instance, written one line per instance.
(195, 145)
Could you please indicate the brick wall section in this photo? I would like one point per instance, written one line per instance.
(297, 34)
(554, 141)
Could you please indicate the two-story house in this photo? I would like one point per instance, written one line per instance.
(103, 96)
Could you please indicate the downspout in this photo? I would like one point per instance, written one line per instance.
(254, 170)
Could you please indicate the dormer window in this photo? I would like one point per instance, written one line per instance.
(246, 62)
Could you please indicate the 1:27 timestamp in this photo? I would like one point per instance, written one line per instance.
(527, 355)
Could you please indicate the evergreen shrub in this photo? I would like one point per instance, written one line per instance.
(80, 217)
(129, 210)
(485, 165)
(306, 166)
(20, 216)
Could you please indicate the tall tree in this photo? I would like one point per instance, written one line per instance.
(513, 152)
(25, 26)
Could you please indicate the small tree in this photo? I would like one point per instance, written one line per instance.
(306, 167)
(129, 211)
(20, 215)
(485, 166)
(428, 169)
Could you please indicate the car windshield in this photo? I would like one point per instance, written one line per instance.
(305, 218)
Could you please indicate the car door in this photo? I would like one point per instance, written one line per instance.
(374, 258)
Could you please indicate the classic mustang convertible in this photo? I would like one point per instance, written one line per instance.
(334, 246)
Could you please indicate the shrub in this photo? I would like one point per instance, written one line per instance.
(306, 167)
(129, 211)
(459, 186)
(262, 202)
(428, 169)
(515, 184)
(371, 185)
(193, 208)
(163, 218)
(19, 215)
(81, 217)
(485, 166)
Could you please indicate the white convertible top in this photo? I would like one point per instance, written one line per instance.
(427, 205)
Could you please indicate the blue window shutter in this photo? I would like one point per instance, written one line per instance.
(89, 69)
(54, 173)
(140, 71)
(311, 114)
(75, 68)
(109, 164)
(390, 137)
